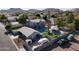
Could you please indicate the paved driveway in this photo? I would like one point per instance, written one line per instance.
(5, 42)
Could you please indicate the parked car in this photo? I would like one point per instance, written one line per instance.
(65, 38)
(39, 45)
(43, 43)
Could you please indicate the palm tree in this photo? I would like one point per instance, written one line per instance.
(48, 22)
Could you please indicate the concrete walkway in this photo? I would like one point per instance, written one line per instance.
(5, 42)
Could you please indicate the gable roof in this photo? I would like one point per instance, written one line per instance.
(37, 20)
(13, 18)
(27, 31)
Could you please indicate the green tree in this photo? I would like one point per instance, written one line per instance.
(22, 18)
(69, 17)
(66, 13)
(38, 16)
(77, 24)
(17, 14)
(2, 17)
(60, 23)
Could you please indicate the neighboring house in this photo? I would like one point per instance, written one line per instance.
(16, 24)
(12, 20)
(36, 23)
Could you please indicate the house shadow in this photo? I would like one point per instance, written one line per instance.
(51, 47)
(66, 45)
(75, 41)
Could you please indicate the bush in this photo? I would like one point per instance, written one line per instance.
(77, 24)
(2, 17)
(8, 26)
(54, 36)
(70, 26)
(60, 23)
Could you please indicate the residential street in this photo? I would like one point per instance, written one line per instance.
(5, 43)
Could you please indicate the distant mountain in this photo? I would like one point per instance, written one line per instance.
(12, 10)
(15, 10)
(3, 11)
(75, 10)
(52, 10)
(34, 11)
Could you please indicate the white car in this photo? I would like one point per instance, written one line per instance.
(39, 45)
(44, 42)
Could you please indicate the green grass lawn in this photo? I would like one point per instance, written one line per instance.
(54, 36)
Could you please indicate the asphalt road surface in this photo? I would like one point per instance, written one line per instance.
(5, 42)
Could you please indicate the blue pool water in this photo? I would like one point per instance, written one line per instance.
(41, 29)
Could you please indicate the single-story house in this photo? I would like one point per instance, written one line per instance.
(11, 19)
(36, 23)
(29, 33)
(16, 25)
(33, 39)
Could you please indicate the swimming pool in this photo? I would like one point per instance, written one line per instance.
(43, 29)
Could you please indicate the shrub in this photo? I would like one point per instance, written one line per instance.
(8, 26)
(54, 36)
(2, 17)
(77, 24)
(60, 23)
